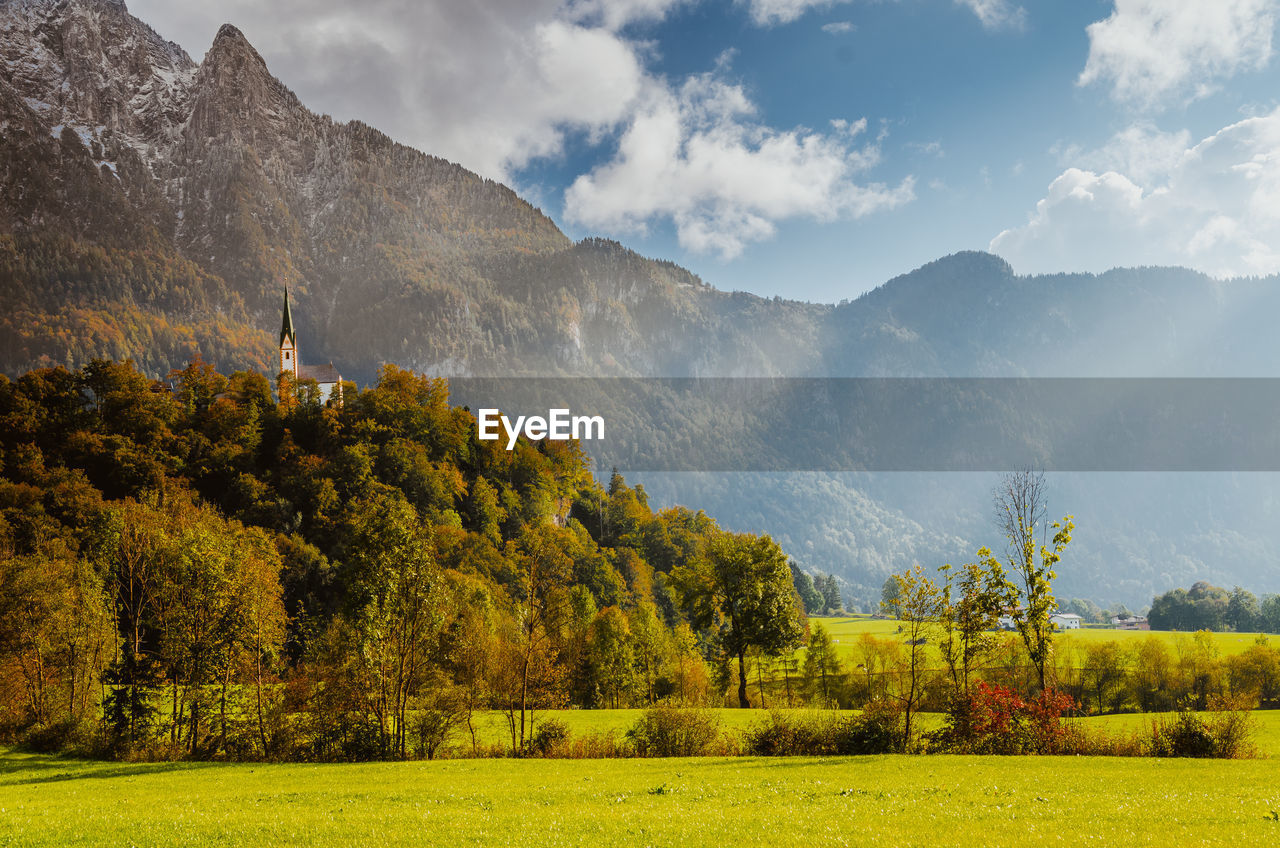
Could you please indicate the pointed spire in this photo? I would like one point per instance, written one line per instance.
(286, 325)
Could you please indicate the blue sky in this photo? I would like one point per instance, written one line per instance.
(816, 148)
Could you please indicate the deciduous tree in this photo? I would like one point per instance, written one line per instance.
(821, 665)
(920, 602)
(742, 589)
(967, 618)
(1020, 507)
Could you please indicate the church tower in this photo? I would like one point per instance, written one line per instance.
(326, 377)
(288, 342)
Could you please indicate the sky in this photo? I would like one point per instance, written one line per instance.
(814, 149)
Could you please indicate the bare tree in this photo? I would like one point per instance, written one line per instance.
(1021, 503)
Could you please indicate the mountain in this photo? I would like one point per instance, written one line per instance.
(153, 207)
(118, 140)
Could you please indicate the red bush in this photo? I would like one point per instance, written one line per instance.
(994, 719)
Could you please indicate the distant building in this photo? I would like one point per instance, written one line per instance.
(1008, 619)
(1066, 620)
(1130, 622)
(326, 376)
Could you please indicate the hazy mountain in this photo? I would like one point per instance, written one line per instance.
(152, 206)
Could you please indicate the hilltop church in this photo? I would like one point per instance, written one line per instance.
(326, 376)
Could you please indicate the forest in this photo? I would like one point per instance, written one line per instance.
(190, 568)
(202, 568)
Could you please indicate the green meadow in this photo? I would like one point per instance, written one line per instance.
(845, 632)
(491, 727)
(865, 801)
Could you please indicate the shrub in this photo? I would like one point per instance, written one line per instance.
(878, 730)
(1232, 723)
(789, 734)
(592, 746)
(993, 719)
(439, 715)
(1185, 735)
(69, 736)
(1045, 730)
(547, 738)
(674, 732)
(1078, 741)
(1226, 732)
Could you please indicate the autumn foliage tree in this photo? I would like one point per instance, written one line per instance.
(920, 601)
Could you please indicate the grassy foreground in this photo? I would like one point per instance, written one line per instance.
(890, 800)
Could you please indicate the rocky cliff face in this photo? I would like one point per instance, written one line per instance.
(90, 65)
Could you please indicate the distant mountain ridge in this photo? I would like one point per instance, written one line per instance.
(152, 206)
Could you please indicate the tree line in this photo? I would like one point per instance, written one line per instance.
(1208, 607)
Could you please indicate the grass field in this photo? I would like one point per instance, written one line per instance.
(492, 727)
(866, 801)
(845, 632)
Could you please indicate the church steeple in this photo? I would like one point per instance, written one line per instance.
(286, 325)
(288, 341)
(323, 377)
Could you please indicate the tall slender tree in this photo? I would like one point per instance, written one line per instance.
(1020, 507)
(821, 665)
(920, 602)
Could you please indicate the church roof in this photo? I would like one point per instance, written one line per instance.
(320, 373)
(286, 324)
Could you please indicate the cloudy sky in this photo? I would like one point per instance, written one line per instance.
(816, 148)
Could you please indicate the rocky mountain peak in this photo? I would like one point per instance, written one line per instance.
(235, 92)
(230, 46)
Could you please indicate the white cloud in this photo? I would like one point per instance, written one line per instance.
(773, 12)
(496, 84)
(838, 27)
(1142, 152)
(491, 84)
(930, 148)
(994, 14)
(997, 14)
(615, 14)
(1151, 51)
(1214, 206)
(698, 157)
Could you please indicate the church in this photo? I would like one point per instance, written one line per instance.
(326, 376)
